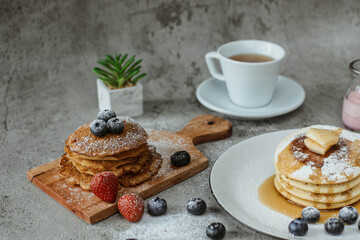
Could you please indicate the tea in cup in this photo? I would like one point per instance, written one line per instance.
(250, 69)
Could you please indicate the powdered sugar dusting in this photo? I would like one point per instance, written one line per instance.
(337, 167)
(185, 226)
(166, 145)
(103, 146)
(83, 142)
(128, 119)
(304, 172)
(310, 211)
(73, 194)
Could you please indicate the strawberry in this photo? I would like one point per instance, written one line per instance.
(105, 186)
(131, 206)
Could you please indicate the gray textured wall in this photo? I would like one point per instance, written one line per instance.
(53, 45)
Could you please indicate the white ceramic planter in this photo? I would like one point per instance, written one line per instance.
(125, 101)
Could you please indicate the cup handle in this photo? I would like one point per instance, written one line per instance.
(209, 58)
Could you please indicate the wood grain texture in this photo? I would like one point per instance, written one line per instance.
(91, 209)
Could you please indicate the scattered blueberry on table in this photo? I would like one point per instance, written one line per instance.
(215, 231)
(349, 214)
(196, 206)
(157, 206)
(180, 158)
(310, 215)
(298, 227)
(334, 226)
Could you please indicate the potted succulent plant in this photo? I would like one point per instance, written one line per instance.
(117, 85)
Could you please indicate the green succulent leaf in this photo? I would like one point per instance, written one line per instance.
(104, 73)
(110, 59)
(108, 66)
(133, 70)
(108, 81)
(118, 70)
(133, 66)
(127, 64)
(138, 78)
(123, 59)
(132, 74)
(117, 57)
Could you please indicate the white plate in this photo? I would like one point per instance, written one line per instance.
(236, 177)
(288, 96)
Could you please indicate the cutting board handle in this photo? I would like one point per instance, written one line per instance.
(206, 128)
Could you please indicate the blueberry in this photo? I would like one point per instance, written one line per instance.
(196, 206)
(157, 206)
(98, 128)
(115, 125)
(106, 115)
(359, 225)
(349, 214)
(215, 231)
(180, 158)
(310, 215)
(298, 227)
(334, 226)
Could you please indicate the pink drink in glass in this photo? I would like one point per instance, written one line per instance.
(351, 110)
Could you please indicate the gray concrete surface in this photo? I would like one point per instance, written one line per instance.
(47, 90)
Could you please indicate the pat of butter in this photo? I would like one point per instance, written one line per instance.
(320, 140)
(314, 147)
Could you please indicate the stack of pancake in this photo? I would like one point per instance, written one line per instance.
(327, 181)
(127, 155)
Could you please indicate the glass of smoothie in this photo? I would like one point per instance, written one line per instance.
(351, 105)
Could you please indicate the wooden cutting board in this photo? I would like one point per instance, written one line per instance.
(91, 209)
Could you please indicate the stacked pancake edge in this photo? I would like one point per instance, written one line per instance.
(127, 155)
(326, 181)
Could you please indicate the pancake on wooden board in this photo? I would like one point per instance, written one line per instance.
(127, 155)
(130, 175)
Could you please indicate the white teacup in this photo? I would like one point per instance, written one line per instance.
(250, 84)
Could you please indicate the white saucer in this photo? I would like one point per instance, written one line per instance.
(288, 96)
